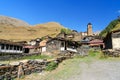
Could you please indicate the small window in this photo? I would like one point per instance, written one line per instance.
(2, 46)
(11, 47)
(15, 47)
(7, 46)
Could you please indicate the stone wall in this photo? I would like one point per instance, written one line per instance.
(112, 52)
(10, 72)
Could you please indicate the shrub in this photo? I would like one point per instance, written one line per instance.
(51, 66)
(66, 31)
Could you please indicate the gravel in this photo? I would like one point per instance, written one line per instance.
(98, 70)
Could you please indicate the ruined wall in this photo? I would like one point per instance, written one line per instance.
(10, 72)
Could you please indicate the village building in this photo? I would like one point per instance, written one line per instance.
(34, 42)
(42, 46)
(10, 47)
(112, 40)
(37, 45)
(83, 34)
(32, 46)
(31, 49)
(73, 36)
(61, 44)
(95, 42)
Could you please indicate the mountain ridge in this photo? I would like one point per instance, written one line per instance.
(12, 21)
(10, 31)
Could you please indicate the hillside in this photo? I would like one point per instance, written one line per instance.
(9, 21)
(113, 25)
(20, 33)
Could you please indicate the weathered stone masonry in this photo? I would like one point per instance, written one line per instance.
(10, 72)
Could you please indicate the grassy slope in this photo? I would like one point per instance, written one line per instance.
(116, 27)
(70, 68)
(28, 33)
(113, 25)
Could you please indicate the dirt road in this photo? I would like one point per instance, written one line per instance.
(78, 69)
(98, 70)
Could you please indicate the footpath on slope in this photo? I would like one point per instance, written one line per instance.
(82, 69)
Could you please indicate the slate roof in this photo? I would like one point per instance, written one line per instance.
(9, 42)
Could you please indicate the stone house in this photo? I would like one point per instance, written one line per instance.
(112, 40)
(93, 42)
(42, 46)
(96, 43)
(35, 42)
(61, 44)
(74, 36)
(31, 49)
(32, 42)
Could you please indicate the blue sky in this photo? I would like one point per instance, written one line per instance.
(73, 14)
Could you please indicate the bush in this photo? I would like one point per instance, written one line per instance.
(51, 66)
(66, 31)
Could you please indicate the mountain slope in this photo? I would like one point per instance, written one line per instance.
(9, 21)
(113, 25)
(21, 33)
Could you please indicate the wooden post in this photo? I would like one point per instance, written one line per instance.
(20, 71)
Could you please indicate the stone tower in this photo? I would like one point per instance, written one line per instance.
(89, 29)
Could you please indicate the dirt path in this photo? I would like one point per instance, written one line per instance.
(98, 70)
(77, 69)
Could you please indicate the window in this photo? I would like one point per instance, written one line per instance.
(2, 46)
(7, 46)
(20, 48)
(17, 47)
(11, 47)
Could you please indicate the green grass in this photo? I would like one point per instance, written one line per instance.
(71, 67)
(65, 70)
(51, 66)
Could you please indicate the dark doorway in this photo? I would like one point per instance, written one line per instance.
(26, 50)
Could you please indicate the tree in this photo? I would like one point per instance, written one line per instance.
(66, 31)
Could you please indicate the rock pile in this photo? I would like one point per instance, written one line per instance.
(10, 72)
(111, 52)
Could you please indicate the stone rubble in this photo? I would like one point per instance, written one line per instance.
(111, 52)
(10, 72)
